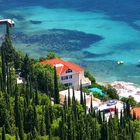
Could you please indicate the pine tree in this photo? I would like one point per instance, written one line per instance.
(56, 90)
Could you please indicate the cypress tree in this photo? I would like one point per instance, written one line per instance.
(36, 97)
(3, 70)
(84, 105)
(50, 134)
(65, 106)
(74, 121)
(128, 111)
(35, 134)
(26, 67)
(73, 95)
(16, 135)
(69, 123)
(11, 82)
(21, 130)
(47, 86)
(74, 107)
(81, 95)
(56, 90)
(42, 126)
(35, 122)
(62, 127)
(27, 97)
(99, 117)
(30, 87)
(8, 49)
(16, 108)
(69, 100)
(29, 136)
(47, 119)
(3, 133)
(91, 106)
(6, 122)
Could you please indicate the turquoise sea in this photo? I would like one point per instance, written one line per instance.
(93, 33)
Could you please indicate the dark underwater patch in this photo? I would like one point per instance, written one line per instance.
(94, 55)
(58, 40)
(35, 22)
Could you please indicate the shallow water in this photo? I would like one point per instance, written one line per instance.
(116, 23)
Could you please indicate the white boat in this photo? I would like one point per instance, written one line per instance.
(120, 62)
(7, 21)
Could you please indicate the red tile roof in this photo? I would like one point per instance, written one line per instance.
(62, 65)
(136, 110)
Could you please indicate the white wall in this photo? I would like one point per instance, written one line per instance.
(74, 80)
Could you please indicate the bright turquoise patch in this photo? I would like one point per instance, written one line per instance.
(97, 90)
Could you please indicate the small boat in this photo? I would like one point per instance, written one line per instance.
(120, 62)
(7, 21)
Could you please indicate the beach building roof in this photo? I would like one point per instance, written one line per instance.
(62, 66)
(7, 21)
(109, 106)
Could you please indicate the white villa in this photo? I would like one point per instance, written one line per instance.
(70, 74)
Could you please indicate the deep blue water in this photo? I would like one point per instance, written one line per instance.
(116, 23)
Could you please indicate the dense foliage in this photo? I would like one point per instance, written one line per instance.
(27, 112)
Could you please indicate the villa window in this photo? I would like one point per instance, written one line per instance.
(68, 84)
(64, 77)
(68, 70)
(70, 76)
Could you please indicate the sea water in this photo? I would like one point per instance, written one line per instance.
(117, 22)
